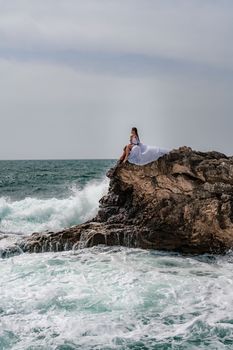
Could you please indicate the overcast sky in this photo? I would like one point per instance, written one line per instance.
(76, 75)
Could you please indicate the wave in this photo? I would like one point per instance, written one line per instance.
(37, 215)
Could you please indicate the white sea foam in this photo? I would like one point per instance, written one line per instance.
(37, 215)
(116, 298)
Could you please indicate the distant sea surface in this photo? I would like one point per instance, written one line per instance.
(102, 298)
(45, 195)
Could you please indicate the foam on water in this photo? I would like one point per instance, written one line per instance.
(116, 298)
(100, 298)
(36, 215)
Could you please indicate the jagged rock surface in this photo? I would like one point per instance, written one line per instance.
(181, 202)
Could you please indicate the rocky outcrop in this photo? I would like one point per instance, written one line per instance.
(181, 202)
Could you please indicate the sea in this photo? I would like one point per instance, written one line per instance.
(100, 298)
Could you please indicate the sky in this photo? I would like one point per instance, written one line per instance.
(76, 75)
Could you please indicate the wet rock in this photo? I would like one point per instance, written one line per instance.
(181, 202)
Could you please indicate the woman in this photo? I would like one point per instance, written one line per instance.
(137, 153)
(134, 141)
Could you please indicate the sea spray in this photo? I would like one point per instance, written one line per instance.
(36, 215)
(106, 298)
(116, 298)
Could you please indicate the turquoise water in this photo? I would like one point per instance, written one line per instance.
(116, 298)
(48, 178)
(101, 298)
(36, 196)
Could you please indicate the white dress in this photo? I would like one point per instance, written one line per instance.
(142, 154)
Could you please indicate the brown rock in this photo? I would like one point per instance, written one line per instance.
(181, 202)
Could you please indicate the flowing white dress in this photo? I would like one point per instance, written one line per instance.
(142, 154)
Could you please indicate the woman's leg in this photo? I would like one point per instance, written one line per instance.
(123, 154)
(127, 152)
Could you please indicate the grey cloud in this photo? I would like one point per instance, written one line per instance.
(195, 30)
(77, 75)
(121, 63)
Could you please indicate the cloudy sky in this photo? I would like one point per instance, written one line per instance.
(76, 75)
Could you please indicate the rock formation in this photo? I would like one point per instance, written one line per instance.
(181, 202)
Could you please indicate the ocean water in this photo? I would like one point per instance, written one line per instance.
(101, 298)
(37, 196)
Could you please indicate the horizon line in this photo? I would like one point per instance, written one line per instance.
(31, 159)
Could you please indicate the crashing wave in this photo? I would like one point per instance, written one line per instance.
(36, 215)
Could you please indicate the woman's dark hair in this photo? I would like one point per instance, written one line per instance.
(136, 131)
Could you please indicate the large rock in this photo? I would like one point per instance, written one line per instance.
(181, 202)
